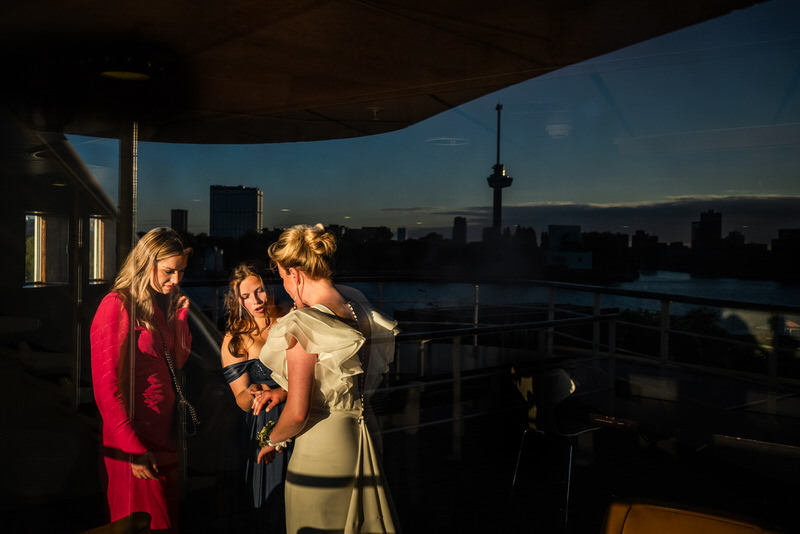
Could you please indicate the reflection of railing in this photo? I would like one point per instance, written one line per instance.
(665, 337)
(671, 330)
(736, 338)
(457, 334)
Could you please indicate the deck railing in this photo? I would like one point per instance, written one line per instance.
(594, 324)
(729, 338)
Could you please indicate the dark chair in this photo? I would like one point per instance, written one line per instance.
(551, 412)
(136, 523)
(652, 517)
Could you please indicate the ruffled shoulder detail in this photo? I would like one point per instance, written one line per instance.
(319, 332)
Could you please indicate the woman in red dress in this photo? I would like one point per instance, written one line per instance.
(143, 315)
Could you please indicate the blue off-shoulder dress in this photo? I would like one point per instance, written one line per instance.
(265, 480)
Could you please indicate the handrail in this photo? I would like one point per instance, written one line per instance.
(493, 329)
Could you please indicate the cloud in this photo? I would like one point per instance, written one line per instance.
(415, 209)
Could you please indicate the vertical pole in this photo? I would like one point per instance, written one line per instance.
(612, 355)
(596, 331)
(475, 314)
(422, 358)
(457, 422)
(128, 185)
(499, 108)
(551, 315)
(664, 353)
(78, 263)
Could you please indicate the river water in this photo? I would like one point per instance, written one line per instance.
(414, 295)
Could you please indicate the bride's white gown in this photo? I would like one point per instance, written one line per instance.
(334, 481)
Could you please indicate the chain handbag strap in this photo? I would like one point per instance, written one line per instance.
(181, 398)
(363, 356)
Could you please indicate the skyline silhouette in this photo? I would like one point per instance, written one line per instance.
(707, 117)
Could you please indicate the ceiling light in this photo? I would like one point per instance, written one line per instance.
(127, 75)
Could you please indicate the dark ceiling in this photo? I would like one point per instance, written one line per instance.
(255, 71)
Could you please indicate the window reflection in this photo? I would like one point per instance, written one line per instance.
(46, 249)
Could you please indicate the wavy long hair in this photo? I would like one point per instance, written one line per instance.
(240, 323)
(134, 278)
(306, 248)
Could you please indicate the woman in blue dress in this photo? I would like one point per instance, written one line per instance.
(251, 314)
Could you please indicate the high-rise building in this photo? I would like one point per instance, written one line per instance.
(235, 210)
(707, 232)
(179, 220)
(460, 230)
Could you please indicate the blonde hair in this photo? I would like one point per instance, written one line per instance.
(240, 324)
(134, 278)
(306, 248)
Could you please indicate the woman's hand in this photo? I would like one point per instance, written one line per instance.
(183, 302)
(267, 399)
(145, 467)
(266, 454)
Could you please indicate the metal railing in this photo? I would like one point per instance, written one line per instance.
(558, 338)
(662, 336)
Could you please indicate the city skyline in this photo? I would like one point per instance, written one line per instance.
(645, 138)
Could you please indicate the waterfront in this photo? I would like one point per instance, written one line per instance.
(409, 295)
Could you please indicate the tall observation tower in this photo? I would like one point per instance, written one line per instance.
(497, 181)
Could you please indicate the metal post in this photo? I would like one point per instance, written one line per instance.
(664, 353)
(551, 315)
(457, 415)
(422, 358)
(128, 185)
(612, 354)
(475, 314)
(596, 331)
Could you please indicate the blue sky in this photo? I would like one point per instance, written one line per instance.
(704, 118)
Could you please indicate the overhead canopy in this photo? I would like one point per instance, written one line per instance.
(255, 71)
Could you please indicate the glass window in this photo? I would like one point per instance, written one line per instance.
(46, 249)
(98, 266)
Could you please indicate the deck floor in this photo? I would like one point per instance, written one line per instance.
(440, 487)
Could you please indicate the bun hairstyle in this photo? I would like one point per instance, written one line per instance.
(306, 248)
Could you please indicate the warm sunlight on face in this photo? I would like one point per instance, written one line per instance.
(253, 296)
(168, 273)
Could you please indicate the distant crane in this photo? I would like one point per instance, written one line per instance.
(497, 181)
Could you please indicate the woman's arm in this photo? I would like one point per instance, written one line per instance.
(300, 370)
(110, 375)
(240, 387)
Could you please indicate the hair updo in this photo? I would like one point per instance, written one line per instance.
(306, 248)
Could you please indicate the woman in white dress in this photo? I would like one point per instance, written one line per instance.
(318, 352)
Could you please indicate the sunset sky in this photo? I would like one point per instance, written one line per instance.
(704, 118)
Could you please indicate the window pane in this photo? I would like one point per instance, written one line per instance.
(56, 249)
(46, 249)
(96, 248)
(33, 247)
